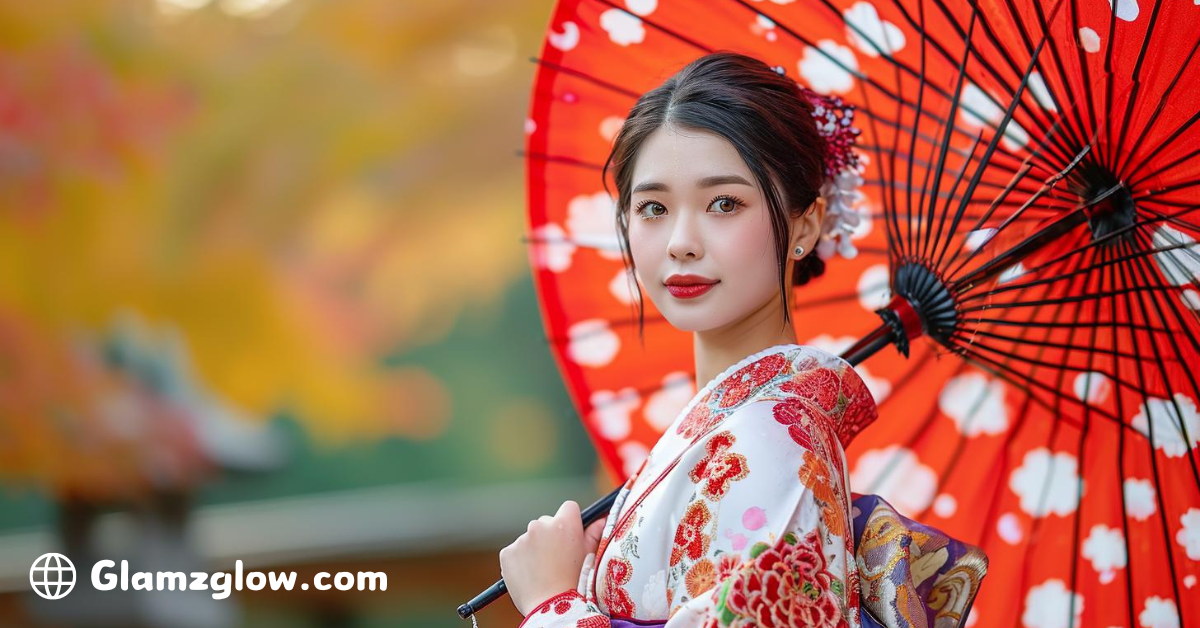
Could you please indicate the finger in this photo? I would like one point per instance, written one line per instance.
(569, 508)
(588, 561)
(594, 531)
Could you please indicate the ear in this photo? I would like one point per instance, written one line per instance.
(806, 228)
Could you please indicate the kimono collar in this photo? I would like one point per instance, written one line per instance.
(825, 383)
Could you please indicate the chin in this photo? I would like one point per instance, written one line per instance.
(685, 325)
(700, 319)
(692, 315)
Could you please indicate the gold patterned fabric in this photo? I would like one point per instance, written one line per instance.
(912, 575)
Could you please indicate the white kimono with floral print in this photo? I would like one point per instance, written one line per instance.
(740, 516)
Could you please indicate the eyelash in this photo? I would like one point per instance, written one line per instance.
(738, 204)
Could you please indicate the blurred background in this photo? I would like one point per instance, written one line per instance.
(264, 296)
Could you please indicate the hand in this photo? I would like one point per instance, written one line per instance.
(548, 558)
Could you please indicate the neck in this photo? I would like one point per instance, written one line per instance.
(717, 349)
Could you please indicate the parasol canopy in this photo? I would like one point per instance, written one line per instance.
(1029, 247)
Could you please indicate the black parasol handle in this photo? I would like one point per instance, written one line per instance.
(493, 593)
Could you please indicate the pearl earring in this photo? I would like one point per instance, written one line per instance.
(799, 251)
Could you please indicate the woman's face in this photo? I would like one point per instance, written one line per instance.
(696, 209)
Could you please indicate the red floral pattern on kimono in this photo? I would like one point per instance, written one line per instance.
(785, 586)
(817, 385)
(690, 539)
(740, 514)
(699, 420)
(718, 469)
(750, 377)
(616, 598)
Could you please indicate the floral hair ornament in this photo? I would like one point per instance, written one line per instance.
(834, 119)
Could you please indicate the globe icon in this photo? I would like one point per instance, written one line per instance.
(52, 576)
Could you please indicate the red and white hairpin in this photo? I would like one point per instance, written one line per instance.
(835, 120)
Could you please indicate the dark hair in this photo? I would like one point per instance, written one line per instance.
(766, 117)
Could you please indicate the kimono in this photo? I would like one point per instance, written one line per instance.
(741, 515)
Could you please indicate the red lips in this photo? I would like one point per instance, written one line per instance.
(688, 280)
(689, 286)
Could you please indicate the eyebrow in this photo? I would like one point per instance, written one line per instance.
(706, 182)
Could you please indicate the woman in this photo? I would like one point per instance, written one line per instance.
(742, 514)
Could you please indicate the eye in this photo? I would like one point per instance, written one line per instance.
(651, 204)
(727, 204)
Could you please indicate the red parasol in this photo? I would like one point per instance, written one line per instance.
(1030, 186)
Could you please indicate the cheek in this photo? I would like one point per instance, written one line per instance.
(746, 249)
(645, 247)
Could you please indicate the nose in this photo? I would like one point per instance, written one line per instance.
(685, 237)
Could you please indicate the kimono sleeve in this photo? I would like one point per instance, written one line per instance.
(568, 609)
(763, 540)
